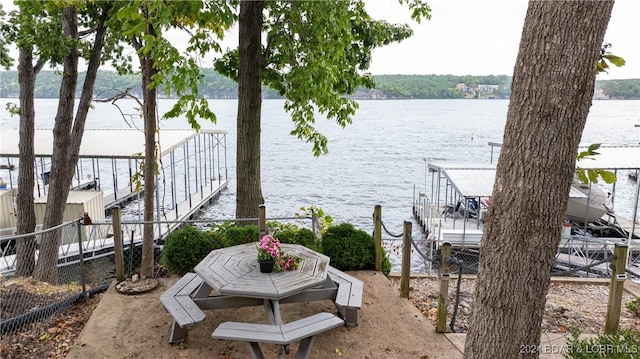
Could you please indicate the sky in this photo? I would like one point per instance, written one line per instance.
(481, 37)
(472, 37)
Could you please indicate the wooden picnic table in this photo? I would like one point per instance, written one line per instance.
(234, 271)
(232, 274)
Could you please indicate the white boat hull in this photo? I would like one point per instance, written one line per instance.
(588, 208)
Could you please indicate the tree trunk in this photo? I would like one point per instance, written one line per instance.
(67, 138)
(250, 69)
(25, 212)
(552, 89)
(149, 114)
(62, 165)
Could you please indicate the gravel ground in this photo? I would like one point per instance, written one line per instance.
(568, 305)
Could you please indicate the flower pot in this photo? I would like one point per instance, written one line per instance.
(266, 266)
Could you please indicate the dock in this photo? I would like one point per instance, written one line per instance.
(193, 173)
(460, 194)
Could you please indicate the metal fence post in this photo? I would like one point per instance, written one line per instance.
(406, 260)
(443, 296)
(315, 224)
(377, 235)
(81, 254)
(262, 220)
(618, 276)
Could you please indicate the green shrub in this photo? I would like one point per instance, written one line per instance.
(302, 236)
(184, 248)
(634, 306)
(233, 236)
(351, 249)
(623, 345)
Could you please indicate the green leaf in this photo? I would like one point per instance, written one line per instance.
(607, 176)
(616, 60)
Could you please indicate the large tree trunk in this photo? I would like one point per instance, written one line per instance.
(25, 212)
(551, 95)
(250, 68)
(67, 138)
(62, 164)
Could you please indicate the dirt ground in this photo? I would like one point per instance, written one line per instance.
(137, 326)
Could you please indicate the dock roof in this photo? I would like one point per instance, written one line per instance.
(476, 180)
(102, 143)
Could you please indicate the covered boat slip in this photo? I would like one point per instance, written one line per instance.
(453, 211)
(192, 168)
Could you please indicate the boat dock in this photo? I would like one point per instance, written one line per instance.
(455, 208)
(192, 173)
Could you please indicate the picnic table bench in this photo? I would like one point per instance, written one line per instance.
(348, 299)
(178, 302)
(303, 330)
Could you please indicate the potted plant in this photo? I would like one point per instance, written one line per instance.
(270, 257)
(268, 252)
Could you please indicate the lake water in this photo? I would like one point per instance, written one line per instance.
(379, 159)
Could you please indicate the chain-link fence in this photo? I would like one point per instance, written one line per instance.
(79, 263)
(82, 262)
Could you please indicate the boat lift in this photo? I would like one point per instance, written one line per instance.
(455, 185)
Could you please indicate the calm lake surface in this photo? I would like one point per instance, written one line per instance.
(379, 159)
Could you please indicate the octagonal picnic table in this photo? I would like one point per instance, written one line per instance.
(234, 271)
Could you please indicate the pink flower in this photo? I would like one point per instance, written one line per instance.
(269, 249)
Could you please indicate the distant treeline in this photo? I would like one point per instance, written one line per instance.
(216, 86)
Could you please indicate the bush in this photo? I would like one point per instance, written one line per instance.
(302, 236)
(233, 236)
(186, 247)
(351, 249)
(634, 306)
(623, 345)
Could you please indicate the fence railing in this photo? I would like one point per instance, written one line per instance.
(576, 256)
(85, 264)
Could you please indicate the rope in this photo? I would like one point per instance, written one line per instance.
(424, 256)
(389, 233)
(457, 303)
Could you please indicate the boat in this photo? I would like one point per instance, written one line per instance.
(586, 203)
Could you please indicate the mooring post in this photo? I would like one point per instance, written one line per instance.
(377, 235)
(117, 244)
(406, 260)
(262, 219)
(443, 296)
(618, 277)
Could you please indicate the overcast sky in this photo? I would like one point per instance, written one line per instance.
(472, 37)
(481, 37)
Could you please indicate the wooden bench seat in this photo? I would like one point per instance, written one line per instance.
(302, 329)
(178, 302)
(349, 297)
